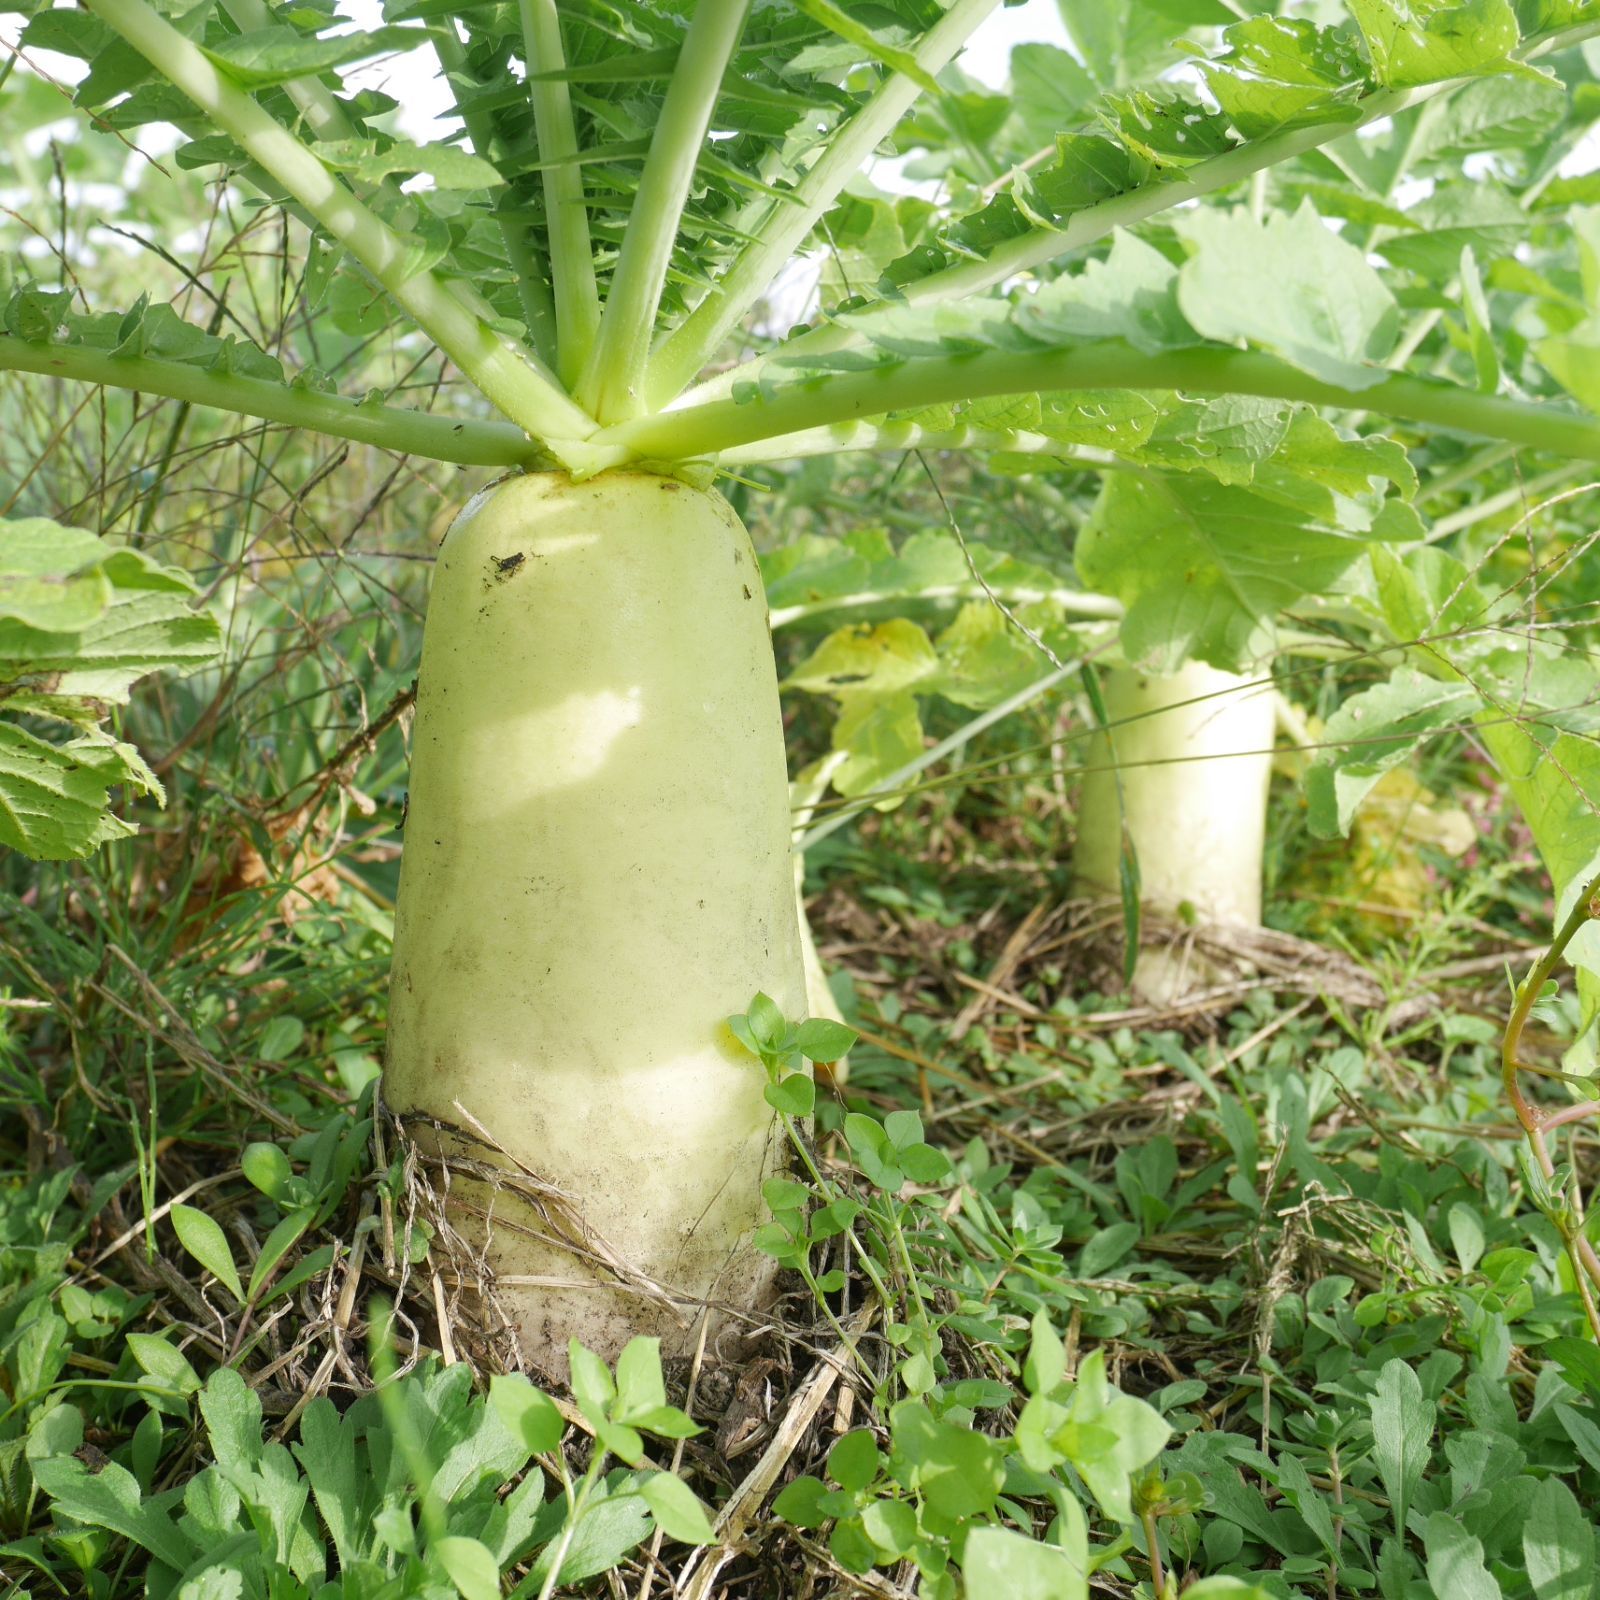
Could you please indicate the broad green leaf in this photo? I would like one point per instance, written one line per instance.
(1424, 41)
(926, 567)
(1131, 294)
(766, 1022)
(592, 1384)
(72, 33)
(1455, 1562)
(1166, 125)
(1283, 72)
(281, 1037)
(1493, 114)
(822, 1039)
(54, 798)
(1047, 1357)
(57, 1431)
(1204, 568)
(608, 1529)
(509, 1530)
(677, 1511)
(959, 1472)
(327, 1456)
(891, 1525)
(144, 1449)
(1579, 1360)
(1477, 215)
(168, 1366)
(1428, 597)
(924, 1163)
(867, 40)
(137, 635)
(1126, 41)
(469, 1566)
(1466, 1234)
(1291, 286)
(999, 1561)
(267, 1167)
(874, 1151)
(61, 580)
(1573, 360)
(1555, 780)
(639, 1383)
(865, 232)
(1402, 1434)
(202, 1236)
(1087, 168)
(1303, 1495)
(468, 1443)
(794, 1095)
(528, 1412)
(1111, 419)
(984, 657)
(261, 57)
(53, 578)
(1108, 1437)
(283, 1238)
(80, 621)
(232, 1412)
(110, 1498)
(946, 328)
(115, 69)
(802, 1502)
(903, 1128)
(1049, 91)
(1373, 732)
(1231, 437)
(1558, 1544)
(1312, 450)
(1585, 1435)
(880, 736)
(449, 166)
(854, 1461)
(1106, 1248)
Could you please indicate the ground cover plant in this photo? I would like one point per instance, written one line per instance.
(1236, 358)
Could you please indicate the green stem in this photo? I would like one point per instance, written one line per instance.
(1585, 1262)
(1517, 498)
(865, 1261)
(844, 437)
(315, 101)
(538, 309)
(819, 1296)
(577, 301)
(787, 223)
(577, 1503)
(327, 119)
(476, 444)
(504, 374)
(1470, 468)
(1075, 602)
(1084, 227)
(919, 1309)
(613, 382)
(811, 403)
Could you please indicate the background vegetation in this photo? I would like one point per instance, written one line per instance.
(1284, 1216)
